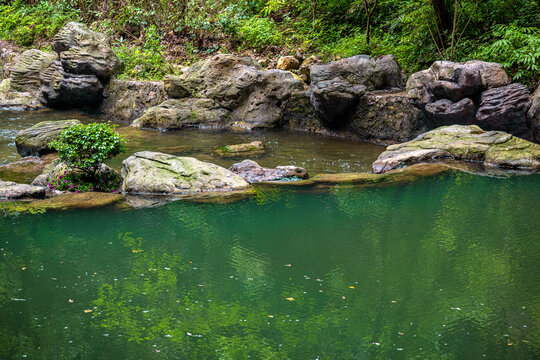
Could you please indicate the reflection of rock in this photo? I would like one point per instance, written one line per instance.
(534, 115)
(248, 149)
(35, 141)
(183, 113)
(25, 170)
(505, 108)
(12, 190)
(253, 172)
(126, 100)
(156, 173)
(466, 143)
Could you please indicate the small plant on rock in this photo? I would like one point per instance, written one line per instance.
(84, 148)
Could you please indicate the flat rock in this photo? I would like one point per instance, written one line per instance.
(35, 141)
(254, 173)
(26, 169)
(505, 108)
(12, 190)
(248, 149)
(68, 201)
(465, 143)
(149, 172)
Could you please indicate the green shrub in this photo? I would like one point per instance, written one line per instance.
(258, 32)
(75, 182)
(86, 147)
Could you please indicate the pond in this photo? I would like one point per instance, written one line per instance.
(443, 268)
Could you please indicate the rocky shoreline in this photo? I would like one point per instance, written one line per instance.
(466, 112)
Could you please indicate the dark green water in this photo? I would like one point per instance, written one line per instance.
(445, 268)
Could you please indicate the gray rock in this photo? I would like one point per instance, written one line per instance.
(254, 173)
(85, 52)
(184, 113)
(374, 73)
(288, 63)
(63, 90)
(127, 100)
(24, 75)
(11, 190)
(460, 142)
(505, 108)
(35, 141)
(59, 168)
(335, 100)
(305, 67)
(18, 100)
(447, 112)
(149, 172)
(534, 115)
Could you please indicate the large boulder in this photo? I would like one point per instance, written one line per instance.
(459, 142)
(454, 81)
(35, 140)
(127, 100)
(24, 75)
(534, 115)
(85, 52)
(255, 98)
(505, 108)
(11, 190)
(380, 73)
(184, 113)
(254, 173)
(447, 112)
(149, 172)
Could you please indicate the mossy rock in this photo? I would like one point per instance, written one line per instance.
(248, 149)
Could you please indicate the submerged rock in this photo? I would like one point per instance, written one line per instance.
(68, 201)
(35, 141)
(12, 190)
(254, 173)
(26, 169)
(149, 172)
(248, 149)
(460, 142)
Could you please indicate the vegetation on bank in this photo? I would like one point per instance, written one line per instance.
(151, 37)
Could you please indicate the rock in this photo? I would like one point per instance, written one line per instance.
(335, 100)
(85, 52)
(454, 81)
(63, 90)
(254, 173)
(465, 143)
(386, 117)
(12, 190)
(17, 100)
(380, 73)
(127, 100)
(248, 149)
(175, 150)
(254, 97)
(300, 115)
(24, 75)
(534, 115)
(305, 67)
(505, 108)
(184, 113)
(35, 141)
(288, 63)
(26, 169)
(446, 112)
(157, 173)
(58, 168)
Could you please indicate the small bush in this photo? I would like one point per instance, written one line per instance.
(258, 32)
(86, 147)
(74, 182)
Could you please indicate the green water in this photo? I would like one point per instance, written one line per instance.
(445, 268)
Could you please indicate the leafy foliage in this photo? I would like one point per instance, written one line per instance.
(75, 182)
(86, 147)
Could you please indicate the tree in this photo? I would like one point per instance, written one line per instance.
(369, 8)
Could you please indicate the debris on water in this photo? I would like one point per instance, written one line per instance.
(270, 316)
(136, 251)
(351, 287)
(87, 311)
(15, 299)
(288, 265)
(23, 268)
(376, 343)
(394, 301)
(290, 298)
(70, 300)
(400, 333)
(456, 308)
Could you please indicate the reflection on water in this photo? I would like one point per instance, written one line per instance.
(316, 153)
(446, 268)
